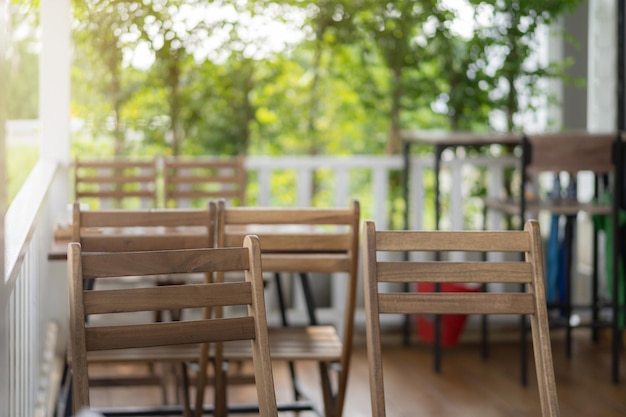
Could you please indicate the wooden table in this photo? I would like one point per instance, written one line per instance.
(440, 141)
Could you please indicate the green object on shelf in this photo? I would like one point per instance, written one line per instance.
(605, 223)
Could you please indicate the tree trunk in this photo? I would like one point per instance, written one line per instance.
(393, 144)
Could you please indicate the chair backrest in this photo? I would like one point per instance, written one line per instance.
(303, 240)
(570, 152)
(116, 182)
(188, 180)
(310, 239)
(144, 229)
(250, 325)
(530, 301)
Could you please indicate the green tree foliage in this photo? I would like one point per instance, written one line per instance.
(22, 62)
(347, 78)
(104, 30)
(509, 37)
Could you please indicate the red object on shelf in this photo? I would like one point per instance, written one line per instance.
(451, 324)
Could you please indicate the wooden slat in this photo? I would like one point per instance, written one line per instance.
(496, 241)
(295, 241)
(484, 272)
(203, 163)
(115, 179)
(169, 333)
(145, 218)
(113, 164)
(166, 298)
(456, 303)
(118, 243)
(97, 265)
(199, 194)
(511, 206)
(173, 353)
(194, 179)
(306, 262)
(115, 194)
(304, 215)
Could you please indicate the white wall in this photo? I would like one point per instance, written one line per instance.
(4, 348)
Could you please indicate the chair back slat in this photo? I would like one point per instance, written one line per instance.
(429, 241)
(162, 298)
(119, 264)
(478, 272)
(295, 215)
(456, 303)
(169, 333)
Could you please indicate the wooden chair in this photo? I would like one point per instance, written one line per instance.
(250, 326)
(116, 182)
(566, 154)
(378, 300)
(189, 180)
(119, 230)
(298, 241)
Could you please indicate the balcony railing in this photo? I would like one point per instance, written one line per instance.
(34, 293)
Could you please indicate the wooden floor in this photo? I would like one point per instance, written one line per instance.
(467, 385)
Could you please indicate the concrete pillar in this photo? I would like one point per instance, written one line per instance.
(602, 65)
(4, 343)
(54, 79)
(3, 117)
(54, 93)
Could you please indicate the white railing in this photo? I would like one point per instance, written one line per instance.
(34, 293)
(27, 299)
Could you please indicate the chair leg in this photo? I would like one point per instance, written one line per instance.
(220, 386)
(523, 351)
(283, 316)
(329, 399)
(184, 387)
(203, 368)
(484, 319)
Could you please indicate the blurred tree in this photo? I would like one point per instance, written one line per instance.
(103, 29)
(220, 112)
(22, 61)
(510, 34)
(348, 76)
(394, 28)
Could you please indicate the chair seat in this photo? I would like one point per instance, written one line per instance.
(319, 343)
(296, 343)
